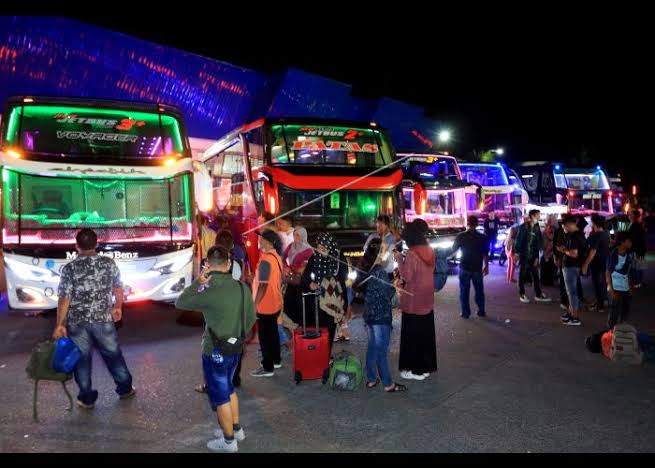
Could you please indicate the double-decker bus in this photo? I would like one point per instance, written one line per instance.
(327, 175)
(580, 190)
(122, 169)
(433, 190)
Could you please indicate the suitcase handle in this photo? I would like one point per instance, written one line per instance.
(317, 332)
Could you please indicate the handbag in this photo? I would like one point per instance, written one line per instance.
(231, 346)
(294, 278)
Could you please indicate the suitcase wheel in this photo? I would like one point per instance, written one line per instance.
(297, 377)
(326, 375)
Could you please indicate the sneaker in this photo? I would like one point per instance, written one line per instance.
(542, 298)
(81, 404)
(219, 445)
(563, 307)
(261, 372)
(128, 395)
(409, 375)
(426, 375)
(566, 318)
(524, 299)
(239, 435)
(277, 366)
(574, 322)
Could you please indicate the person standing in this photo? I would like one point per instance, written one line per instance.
(378, 292)
(228, 311)
(638, 238)
(284, 229)
(323, 274)
(418, 348)
(267, 288)
(491, 231)
(86, 315)
(474, 264)
(547, 259)
(572, 249)
(527, 246)
(384, 232)
(295, 261)
(619, 264)
(599, 248)
(509, 251)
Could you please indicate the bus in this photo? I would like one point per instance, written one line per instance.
(580, 190)
(433, 190)
(327, 175)
(123, 169)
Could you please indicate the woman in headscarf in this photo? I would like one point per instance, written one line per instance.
(295, 259)
(324, 274)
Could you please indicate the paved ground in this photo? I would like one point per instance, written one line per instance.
(517, 381)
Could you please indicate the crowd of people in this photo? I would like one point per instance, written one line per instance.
(274, 297)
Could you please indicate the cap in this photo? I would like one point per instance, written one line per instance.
(272, 237)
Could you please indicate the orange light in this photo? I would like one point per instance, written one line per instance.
(14, 153)
(627, 207)
(446, 153)
(571, 193)
(423, 206)
(271, 204)
(169, 161)
(28, 99)
(634, 190)
(248, 243)
(611, 194)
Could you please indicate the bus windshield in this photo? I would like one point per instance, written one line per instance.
(329, 146)
(343, 210)
(63, 131)
(443, 209)
(487, 175)
(45, 210)
(582, 179)
(430, 169)
(492, 202)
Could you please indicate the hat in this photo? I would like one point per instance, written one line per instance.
(272, 237)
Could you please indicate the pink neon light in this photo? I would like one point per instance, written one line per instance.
(37, 239)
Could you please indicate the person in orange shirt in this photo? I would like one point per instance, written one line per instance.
(267, 290)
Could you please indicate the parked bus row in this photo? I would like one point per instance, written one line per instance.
(126, 171)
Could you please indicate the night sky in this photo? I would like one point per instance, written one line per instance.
(543, 91)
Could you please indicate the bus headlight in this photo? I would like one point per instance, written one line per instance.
(172, 265)
(442, 245)
(29, 272)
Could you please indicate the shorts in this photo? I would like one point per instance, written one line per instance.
(218, 378)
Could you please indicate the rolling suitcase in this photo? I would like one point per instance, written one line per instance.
(311, 350)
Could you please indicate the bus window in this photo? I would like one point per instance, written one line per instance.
(255, 139)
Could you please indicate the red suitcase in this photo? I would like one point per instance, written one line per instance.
(311, 349)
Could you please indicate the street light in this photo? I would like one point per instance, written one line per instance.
(444, 136)
(499, 151)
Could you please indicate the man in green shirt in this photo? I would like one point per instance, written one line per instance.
(228, 310)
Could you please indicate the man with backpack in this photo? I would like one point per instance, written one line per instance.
(228, 311)
(527, 246)
(86, 315)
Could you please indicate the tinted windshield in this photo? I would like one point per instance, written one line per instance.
(83, 131)
(495, 202)
(327, 145)
(341, 210)
(487, 175)
(430, 168)
(51, 209)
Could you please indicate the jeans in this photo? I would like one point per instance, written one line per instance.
(219, 378)
(492, 246)
(269, 340)
(563, 295)
(103, 336)
(571, 279)
(465, 279)
(377, 354)
(619, 308)
(527, 268)
(600, 286)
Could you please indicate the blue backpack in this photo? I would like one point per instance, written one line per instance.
(65, 356)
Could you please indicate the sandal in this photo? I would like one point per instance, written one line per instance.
(396, 388)
(201, 388)
(372, 384)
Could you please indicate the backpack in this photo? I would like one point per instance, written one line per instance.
(66, 355)
(440, 274)
(625, 345)
(346, 372)
(40, 367)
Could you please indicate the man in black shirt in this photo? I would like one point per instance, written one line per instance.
(527, 246)
(572, 250)
(475, 251)
(599, 249)
(491, 231)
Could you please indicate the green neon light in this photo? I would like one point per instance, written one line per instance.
(12, 125)
(168, 121)
(335, 201)
(187, 198)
